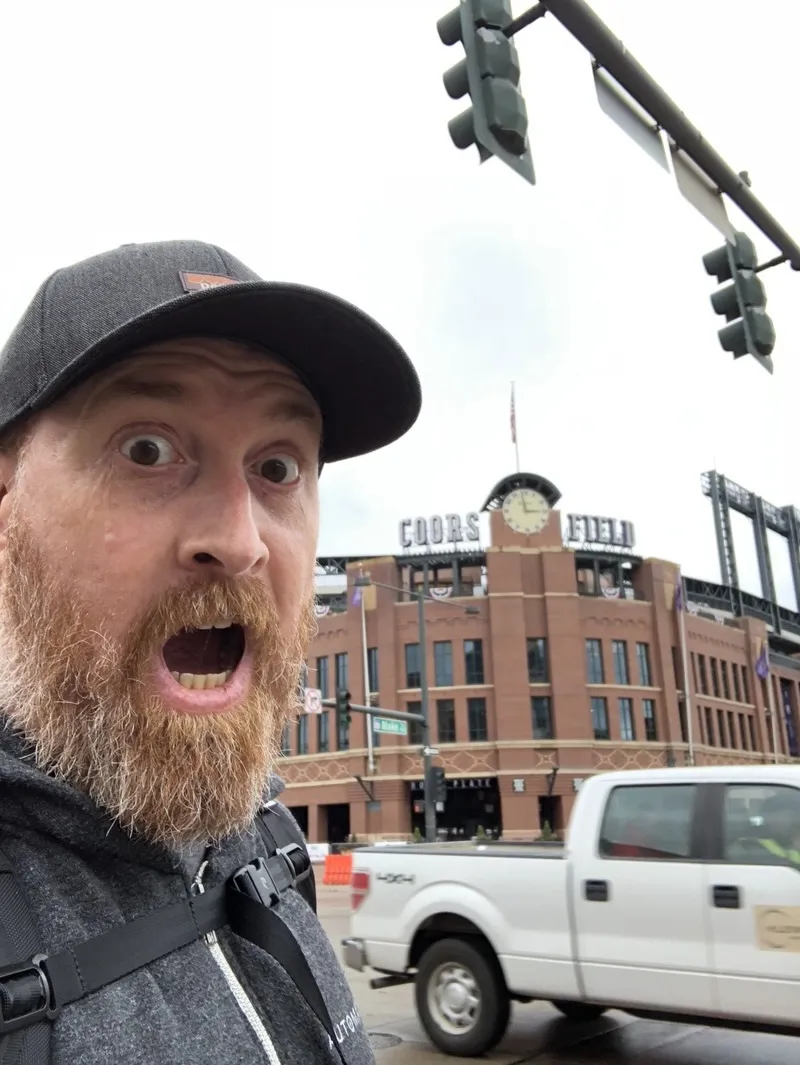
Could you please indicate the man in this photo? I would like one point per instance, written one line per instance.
(779, 838)
(165, 415)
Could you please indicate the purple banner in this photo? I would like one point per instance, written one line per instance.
(788, 717)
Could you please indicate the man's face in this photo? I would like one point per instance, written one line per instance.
(157, 543)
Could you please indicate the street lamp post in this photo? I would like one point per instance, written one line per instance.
(428, 752)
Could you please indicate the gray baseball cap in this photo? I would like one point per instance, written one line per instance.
(91, 315)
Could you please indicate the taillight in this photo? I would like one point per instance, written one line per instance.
(359, 883)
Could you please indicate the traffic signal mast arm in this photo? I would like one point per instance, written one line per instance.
(376, 711)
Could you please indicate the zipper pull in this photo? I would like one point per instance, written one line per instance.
(197, 884)
(198, 888)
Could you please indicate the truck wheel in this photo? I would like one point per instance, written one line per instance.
(461, 997)
(579, 1011)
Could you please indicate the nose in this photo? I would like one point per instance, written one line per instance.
(221, 533)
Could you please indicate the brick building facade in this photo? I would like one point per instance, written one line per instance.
(568, 663)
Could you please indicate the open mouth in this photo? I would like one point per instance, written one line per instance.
(205, 658)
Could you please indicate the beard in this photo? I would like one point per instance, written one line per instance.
(86, 703)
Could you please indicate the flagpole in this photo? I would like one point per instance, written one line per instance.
(514, 426)
(772, 714)
(369, 718)
(687, 698)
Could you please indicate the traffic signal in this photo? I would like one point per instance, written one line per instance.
(742, 302)
(438, 784)
(497, 121)
(343, 706)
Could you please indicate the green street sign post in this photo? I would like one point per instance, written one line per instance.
(395, 728)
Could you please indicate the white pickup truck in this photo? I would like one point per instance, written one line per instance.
(676, 896)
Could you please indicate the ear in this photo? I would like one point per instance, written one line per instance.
(7, 467)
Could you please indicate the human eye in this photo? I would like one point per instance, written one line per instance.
(279, 469)
(148, 449)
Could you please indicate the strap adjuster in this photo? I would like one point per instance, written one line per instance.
(13, 999)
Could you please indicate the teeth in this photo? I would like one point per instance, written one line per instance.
(201, 681)
(217, 625)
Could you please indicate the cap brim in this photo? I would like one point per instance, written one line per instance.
(365, 384)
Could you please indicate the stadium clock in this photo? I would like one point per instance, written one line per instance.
(526, 511)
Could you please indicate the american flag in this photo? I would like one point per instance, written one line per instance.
(513, 418)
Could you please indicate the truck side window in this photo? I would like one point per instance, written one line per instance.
(762, 824)
(648, 822)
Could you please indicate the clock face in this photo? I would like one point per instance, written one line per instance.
(526, 511)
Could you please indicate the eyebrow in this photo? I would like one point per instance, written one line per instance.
(283, 409)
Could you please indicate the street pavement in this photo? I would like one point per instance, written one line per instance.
(538, 1034)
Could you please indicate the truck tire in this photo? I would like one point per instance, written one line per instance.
(461, 997)
(579, 1011)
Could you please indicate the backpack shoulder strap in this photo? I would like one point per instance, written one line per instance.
(19, 939)
(281, 834)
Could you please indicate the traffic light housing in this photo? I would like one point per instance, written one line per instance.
(497, 121)
(742, 302)
(438, 784)
(343, 706)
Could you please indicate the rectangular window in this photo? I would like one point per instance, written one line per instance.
(726, 691)
(650, 726)
(372, 669)
(323, 680)
(594, 662)
(286, 741)
(341, 672)
(693, 660)
(600, 719)
(743, 733)
(302, 734)
(677, 670)
(476, 720)
(627, 728)
(324, 732)
(443, 663)
(745, 685)
(473, 661)
(732, 729)
(751, 728)
(737, 693)
(643, 661)
(541, 717)
(682, 720)
(415, 733)
(714, 677)
(649, 822)
(413, 677)
(701, 662)
(753, 812)
(619, 653)
(446, 720)
(538, 672)
(723, 741)
(709, 727)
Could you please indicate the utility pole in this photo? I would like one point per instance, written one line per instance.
(427, 755)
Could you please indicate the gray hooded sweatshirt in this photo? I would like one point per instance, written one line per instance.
(229, 1004)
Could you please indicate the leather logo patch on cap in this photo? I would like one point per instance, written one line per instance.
(195, 282)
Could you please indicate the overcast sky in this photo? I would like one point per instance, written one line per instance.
(310, 140)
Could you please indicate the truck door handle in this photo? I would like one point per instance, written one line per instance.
(726, 897)
(595, 890)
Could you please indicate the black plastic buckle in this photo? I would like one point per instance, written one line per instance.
(48, 1012)
(255, 880)
(285, 853)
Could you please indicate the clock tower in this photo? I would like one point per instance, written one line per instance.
(521, 508)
